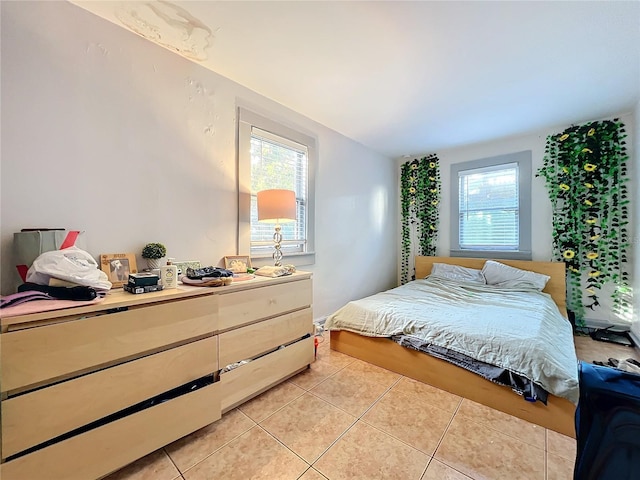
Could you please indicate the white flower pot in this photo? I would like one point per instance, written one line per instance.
(153, 263)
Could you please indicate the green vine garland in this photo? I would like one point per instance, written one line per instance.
(585, 174)
(420, 199)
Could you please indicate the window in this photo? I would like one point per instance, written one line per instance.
(491, 201)
(278, 163)
(272, 155)
(488, 208)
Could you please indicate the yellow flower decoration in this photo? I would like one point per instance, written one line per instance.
(564, 137)
(569, 254)
(588, 185)
(414, 166)
(588, 202)
(594, 237)
(432, 179)
(592, 255)
(590, 291)
(587, 150)
(412, 190)
(593, 274)
(412, 202)
(591, 132)
(412, 179)
(565, 169)
(431, 227)
(433, 190)
(591, 221)
(589, 167)
(564, 186)
(574, 269)
(432, 164)
(434, 202)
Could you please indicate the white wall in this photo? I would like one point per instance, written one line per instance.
(106, 132)
(541, 214)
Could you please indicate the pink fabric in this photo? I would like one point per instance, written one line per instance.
(44, 306)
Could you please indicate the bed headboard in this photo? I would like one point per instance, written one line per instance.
(556, 286)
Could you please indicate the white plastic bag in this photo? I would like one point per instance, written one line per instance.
(27, 245)
(71, 264)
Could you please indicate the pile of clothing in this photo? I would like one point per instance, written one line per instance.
(277, 271)
(70, 274)
(207, 277)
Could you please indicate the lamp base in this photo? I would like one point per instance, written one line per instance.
(277, 254)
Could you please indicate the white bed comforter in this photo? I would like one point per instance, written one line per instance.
(515, 329)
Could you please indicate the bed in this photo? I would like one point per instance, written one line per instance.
(372, 346)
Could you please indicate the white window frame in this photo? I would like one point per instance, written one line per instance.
(523, 162)
(247, 120)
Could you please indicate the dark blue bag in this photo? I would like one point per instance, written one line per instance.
(607, 424)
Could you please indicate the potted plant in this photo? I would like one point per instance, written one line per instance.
(153, 252)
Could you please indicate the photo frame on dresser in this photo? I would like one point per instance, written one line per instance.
(118, 266)
(183, 265)
(237, 263)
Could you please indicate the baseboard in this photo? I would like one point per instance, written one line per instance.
(599, 323)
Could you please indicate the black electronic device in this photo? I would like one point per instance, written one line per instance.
(611, 336)
(147, 289)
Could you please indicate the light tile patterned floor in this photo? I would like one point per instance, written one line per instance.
(590, 350)
(347, 419)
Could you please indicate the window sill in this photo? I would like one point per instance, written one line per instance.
(498, 254)
(297, 259)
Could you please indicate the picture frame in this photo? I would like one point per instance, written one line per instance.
(182, 266)
(118, 266)
(237, 263)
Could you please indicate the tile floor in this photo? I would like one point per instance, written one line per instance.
(347, 419)
(589, 350)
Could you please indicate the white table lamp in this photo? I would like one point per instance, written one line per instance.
(277, 206)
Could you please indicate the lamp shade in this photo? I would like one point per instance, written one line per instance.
(276, 206)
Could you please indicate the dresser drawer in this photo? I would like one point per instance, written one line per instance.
(105, 449)
(258, 338)
(41, 355)
(246, 381)
(240, 308)
(38, 416)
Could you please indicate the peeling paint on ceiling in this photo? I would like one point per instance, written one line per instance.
(168, 25)
(411, 77)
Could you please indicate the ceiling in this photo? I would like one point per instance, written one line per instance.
(405, 78)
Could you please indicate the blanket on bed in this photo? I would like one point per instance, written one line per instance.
(519, 330)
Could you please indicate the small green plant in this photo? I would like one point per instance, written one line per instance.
(154, 251)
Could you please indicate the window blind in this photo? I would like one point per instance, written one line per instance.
(277, 162)
(489, 208)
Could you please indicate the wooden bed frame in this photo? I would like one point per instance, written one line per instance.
(557, 415)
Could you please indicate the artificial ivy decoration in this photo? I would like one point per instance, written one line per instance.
(585, 172)
(420, 199)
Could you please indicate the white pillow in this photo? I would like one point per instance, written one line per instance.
(501, 275)
(456, 272)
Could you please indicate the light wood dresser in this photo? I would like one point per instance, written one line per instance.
(87, 390)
